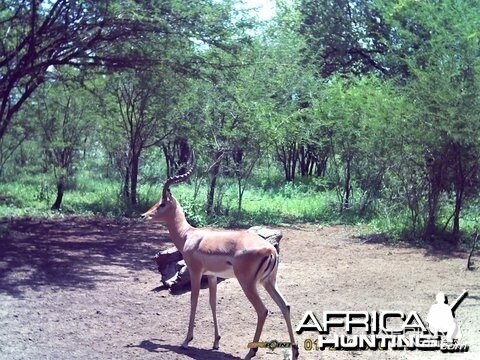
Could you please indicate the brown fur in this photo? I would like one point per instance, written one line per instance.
(223, 253)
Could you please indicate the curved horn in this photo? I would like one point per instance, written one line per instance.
(179, 178)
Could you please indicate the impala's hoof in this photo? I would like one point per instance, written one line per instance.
(251, 353)
(186, 342)
(216, 343)
(295, 352)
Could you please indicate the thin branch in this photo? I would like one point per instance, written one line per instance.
(469, 260)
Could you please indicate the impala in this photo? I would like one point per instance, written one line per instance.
(225, 254)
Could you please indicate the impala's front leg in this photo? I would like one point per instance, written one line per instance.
(212, 284)
(195, 279)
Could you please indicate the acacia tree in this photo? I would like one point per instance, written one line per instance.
(13, 140)
(344, 36)
(357, 114)
(290, 83)
(36, 36)
(443, 86)
(230, 117)
(65, 118)
(177, 153)
(145, 97)
(138, 119)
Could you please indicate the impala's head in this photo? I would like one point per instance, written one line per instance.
(165, 208)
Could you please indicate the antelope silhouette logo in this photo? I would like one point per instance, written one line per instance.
(441, 317)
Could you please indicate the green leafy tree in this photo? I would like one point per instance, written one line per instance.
(291, 86)
(65, 117)
(138, 119)
(358, 114)
(344, 36)
(36, 36)
(443, 85)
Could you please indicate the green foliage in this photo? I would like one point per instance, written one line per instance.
(359, 112)
(344, 36)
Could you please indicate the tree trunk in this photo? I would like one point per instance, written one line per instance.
(126, 183)
(169, 161)
(347, 185)
(240, 193)
(436, 181)
(293, 157)
(431, 225)
(60, 190)
(177, 155)
(456, 216)
(213, 182)
(321, 164)
(237, 156)
(183, 151)
(304, 160)
(460, 181)
(288, 156)
(134, 177)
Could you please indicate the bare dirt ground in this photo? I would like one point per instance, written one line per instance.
(78, 288)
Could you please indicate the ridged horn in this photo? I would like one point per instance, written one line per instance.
(179, 178)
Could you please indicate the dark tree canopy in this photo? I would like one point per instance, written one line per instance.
(344, 36)
(36, 36)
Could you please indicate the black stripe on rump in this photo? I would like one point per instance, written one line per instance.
(270, 267)
(268, 257)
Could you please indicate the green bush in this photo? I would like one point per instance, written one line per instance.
(310, 201)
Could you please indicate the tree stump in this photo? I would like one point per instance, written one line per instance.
(273, 236)
(174, 271)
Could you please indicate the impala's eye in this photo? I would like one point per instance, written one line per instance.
(162, 205)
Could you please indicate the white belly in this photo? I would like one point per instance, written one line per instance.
(224, 274)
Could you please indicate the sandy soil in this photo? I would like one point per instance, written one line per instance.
(79, 288)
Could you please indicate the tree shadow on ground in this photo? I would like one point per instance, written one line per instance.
(74, 252)
(191, 352)
(439, 250)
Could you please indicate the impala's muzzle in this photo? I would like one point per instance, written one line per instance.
(146, 215)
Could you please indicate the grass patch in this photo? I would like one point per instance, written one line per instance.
(266, 204)
(89, 194)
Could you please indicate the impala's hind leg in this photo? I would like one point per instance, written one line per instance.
(270, 285)
(250, 290)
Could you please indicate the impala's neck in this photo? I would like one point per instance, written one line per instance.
(178, 227)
